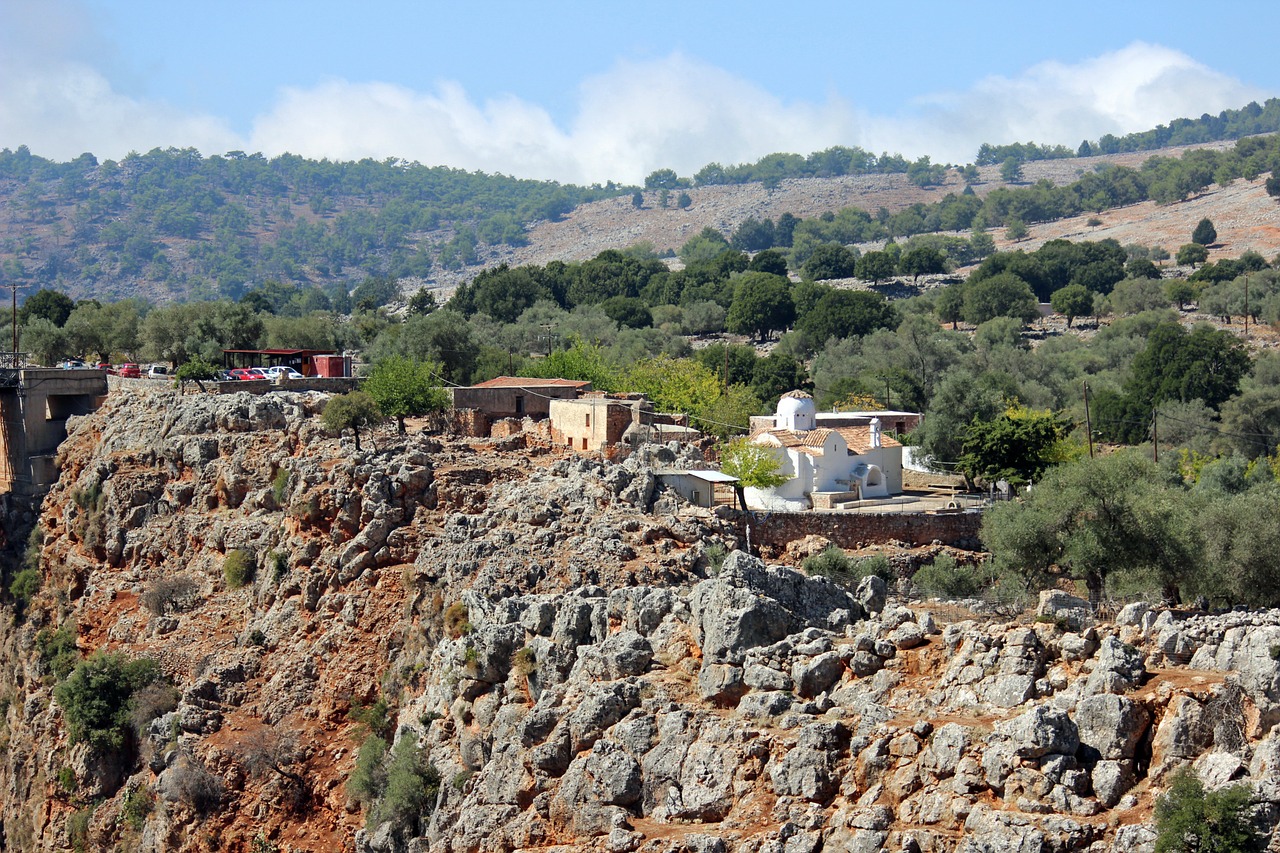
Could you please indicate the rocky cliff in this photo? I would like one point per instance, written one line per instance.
(446, 645)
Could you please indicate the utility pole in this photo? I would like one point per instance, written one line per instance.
(1088, 426)
(1155, 439)
(1246, 307)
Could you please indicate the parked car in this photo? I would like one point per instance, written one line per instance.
(129, 370)
(277, 371)
(225, 376)
(72, 364)
(248, 373)
(157, 371)
(102, 365)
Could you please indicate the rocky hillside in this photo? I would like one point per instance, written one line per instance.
(439, 644)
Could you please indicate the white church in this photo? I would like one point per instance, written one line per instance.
(828, 467)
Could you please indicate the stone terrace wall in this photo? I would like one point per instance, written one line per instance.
(855, 529)
(330, 385)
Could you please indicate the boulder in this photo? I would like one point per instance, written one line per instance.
(1110, 726)
(1068, 610)
(1041, 731)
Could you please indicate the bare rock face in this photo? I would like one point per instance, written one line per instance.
(538, 639)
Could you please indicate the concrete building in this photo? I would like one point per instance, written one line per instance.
(35, 403)
(595, 421)
(705, 488)
(517, 397)
(828, 467)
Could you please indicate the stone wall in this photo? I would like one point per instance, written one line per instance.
(329, 385)
(856, 529)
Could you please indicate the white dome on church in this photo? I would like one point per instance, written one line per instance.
(796, 411)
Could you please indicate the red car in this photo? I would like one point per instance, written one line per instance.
(129, 371)
(249, 373)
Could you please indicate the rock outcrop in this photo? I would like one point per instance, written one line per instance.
(580, 661)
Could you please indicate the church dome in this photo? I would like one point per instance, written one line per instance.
(796, 411)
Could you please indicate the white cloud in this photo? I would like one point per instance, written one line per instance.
(676, 112)
(1132, 89)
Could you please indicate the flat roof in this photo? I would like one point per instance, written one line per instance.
(283, 351)
(875, 414)
(707, 474)
(530, 382)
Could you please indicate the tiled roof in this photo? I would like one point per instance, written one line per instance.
(859, 438)
(527, 382)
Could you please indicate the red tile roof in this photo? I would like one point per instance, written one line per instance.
(527, 382)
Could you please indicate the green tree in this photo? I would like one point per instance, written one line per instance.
(769, 261)
(1018, 446)
(96, 697)
(1190, 819)
(1181, 291)
(52, 305)
(353, 410)
(45, 341)
(876, 266)
(1205, 364)
(706, 245)
(847, 313)
(755, 466)
(1191, 254)
(1204, 234)
(1095, 518)
(1001, 295)
(1074, 300)
(1011, 170)
(580, 361)
(925, 260)
(404, 388)
(829, 261)
(949, 304)
(196, 370)
(1015, 229)
(761, 304)
(662, 179)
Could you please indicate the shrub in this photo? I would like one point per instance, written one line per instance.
(78, 830)
(138, 803)
(280, 486)
(835, 564)
(524, 662)
(257, 638)
(88, 524)
(97, 697)
(455, 620)
(715, 554)
(24, 586)
(197, 788)
(237, 568)
(411, 788)
(152, 701)
(376, 717)
(944, 577)
(58, 649)
(368, 778)
(171, 594)
(1189, 819)
(279, 566)
(67, 779)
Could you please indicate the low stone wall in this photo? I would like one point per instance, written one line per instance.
(853, 530)
(327, 384)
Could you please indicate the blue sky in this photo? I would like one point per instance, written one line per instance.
(592, 91)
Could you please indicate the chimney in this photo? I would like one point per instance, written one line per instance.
(874, 436)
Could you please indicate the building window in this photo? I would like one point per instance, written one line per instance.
(519, 404)
(584, 443)
(588, 420)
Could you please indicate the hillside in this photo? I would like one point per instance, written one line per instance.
(170, 226)
(555, 655)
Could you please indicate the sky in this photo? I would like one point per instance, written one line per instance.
(588, 92)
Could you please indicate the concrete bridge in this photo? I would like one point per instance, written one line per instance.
(35, 403)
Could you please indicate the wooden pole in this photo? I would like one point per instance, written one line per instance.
(1088, 425)
(1155, 439)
